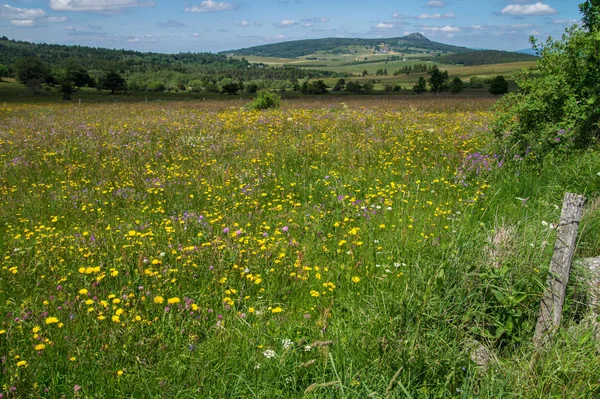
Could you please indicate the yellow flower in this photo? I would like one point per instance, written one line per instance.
(83, 291)
(72, 358)
(120, 372)
(22, 363)
(116, 319)
(277, 310)
(159, 299)
(251, 310)
(314, 293)
(172, 301)
(35, 329)
(2, 332)
(51, 320)
(39, 347)
(356, 279)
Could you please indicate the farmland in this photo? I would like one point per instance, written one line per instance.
(325, 249)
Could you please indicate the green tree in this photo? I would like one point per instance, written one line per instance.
(78, 75)
(230, 88)
(4, 72)
(420, 86)
(498, 86)
(32, 72)
(339, 86)
(557, 107)
(112, 81)
(456, 85)
(66, 88)
(317, 87)
(438, 81)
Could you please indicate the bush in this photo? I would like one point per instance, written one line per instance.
(156, 86)
(264, 100)
(557, 107)
(498, 86)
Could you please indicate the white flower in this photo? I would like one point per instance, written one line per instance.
(257, 366)
(286, 343)
(389, 208)
(307, 348)
(269, 353)
(162, 254)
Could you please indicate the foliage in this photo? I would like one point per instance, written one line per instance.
(264, 100)
(558, 108)
(456, 85)
(420, 86)
(438, 80)
(498, 85)
(113, 81)
(230, 88)
(156, 87)
(486, 57)
(32, 72)
(4, 71)
(66, 88)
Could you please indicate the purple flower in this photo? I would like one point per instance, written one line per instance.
(77, 388)
(226, 230)
(285, 229)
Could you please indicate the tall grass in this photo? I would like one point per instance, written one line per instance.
(323, 250)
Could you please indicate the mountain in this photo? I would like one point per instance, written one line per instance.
(412, 43)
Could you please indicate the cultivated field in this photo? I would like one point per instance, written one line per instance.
(327, 249)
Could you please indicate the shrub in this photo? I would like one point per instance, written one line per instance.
(498, 86)
(264, 100)
(156, 86)
(557, 108)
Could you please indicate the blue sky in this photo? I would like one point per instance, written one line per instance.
(172, 26)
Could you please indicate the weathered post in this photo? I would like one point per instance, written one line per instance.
(560, 268)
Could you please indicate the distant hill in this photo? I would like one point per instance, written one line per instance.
(412, 43)
(527, 51)
(486, 57)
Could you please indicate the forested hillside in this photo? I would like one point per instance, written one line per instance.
(412, 43)
(486, 57)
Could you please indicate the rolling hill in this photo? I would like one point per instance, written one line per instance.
(410, 44)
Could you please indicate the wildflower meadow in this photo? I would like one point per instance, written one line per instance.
(349, 250)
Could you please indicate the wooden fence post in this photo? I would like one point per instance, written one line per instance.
(560, 268)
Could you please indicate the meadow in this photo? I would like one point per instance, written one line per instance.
(323, 250)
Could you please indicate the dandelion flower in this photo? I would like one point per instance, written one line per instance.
(51, 320)
(159, 299)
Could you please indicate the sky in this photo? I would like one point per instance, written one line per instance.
(172, 26)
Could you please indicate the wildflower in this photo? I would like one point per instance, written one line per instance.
(307, 348)
(269, 353)
(355, 279)
(83, 291)
(159, 299)
(39, 347)
(22, 363)
(120, 372)
(277, 310)
(286, 343)
(51, 320)
(314, 293)
(172, 301)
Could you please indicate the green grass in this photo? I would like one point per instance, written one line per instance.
(352, 238)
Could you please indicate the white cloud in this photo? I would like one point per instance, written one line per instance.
(210, 6)
(383, 25)
(243, 23)
(528, 9)
(97, 5)
(22, 14)
(286, 23)
(437, 15)
(435, 3)
(22, 22)
(279, 37)
(445, 29)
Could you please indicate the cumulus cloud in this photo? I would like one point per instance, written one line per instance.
(448, 15)
(538, 8)
(243, 24)
(210, 6)
(20, 14)
(435, 3)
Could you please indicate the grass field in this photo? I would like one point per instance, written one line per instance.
(323, 250)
